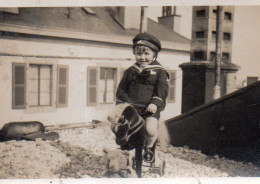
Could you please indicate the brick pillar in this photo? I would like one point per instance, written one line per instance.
(198, 82)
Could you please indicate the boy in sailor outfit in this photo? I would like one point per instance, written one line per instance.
(145, 85)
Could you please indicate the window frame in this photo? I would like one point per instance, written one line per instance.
(118, 75)
(51, 85)
(115, 83)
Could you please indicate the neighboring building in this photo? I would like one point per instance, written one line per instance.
(199, 74)
(204, 33)
(244, 39)
(63, 65)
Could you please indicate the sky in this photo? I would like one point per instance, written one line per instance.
(246, 36)
(246, 43)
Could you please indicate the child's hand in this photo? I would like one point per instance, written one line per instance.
(151, 108)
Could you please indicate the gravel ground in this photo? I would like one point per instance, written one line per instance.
(79, 154)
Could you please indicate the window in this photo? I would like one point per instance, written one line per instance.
(101, 86)
(107, 85)
(226, 36)
(198, 55)
(214, 34)
(200, 34)
(214, 12)
(212, 55)
(39, 85)
(62, 86)
(227, 16)
(18, 86)
(168, 11)
(201, 13)
(225, 57)
(172, 86)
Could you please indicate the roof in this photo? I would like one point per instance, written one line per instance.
(98, 20)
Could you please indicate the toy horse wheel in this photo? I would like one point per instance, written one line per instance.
(162, 168)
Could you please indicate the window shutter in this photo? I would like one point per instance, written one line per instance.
(18, 85)
(62, 86)
(92, 81)
(172, 86)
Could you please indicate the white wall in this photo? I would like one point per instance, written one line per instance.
(86, 54)
(172, 62)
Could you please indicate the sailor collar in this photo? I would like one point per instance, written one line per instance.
(153, 66)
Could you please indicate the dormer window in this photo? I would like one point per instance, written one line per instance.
(168, 11)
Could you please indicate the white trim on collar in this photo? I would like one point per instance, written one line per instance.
(152, 66)
(137, 67)
(147, 67)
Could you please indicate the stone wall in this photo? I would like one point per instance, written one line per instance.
(228, 121)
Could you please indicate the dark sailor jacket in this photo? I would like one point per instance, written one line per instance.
(146, 86)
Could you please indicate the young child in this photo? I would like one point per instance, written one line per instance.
(145, 86)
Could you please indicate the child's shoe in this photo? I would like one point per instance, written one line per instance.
(149, 155)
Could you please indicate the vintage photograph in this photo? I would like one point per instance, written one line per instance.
(130, 92)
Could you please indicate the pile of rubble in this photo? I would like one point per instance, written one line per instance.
(79, 154)
(30, 159)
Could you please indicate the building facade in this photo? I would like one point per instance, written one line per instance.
(199, 75)
(63, 65)
(204, 33)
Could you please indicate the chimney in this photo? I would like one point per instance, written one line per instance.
(170, 19)
(129, 17)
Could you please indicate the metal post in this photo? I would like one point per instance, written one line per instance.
(143, 22)
(218, 53)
